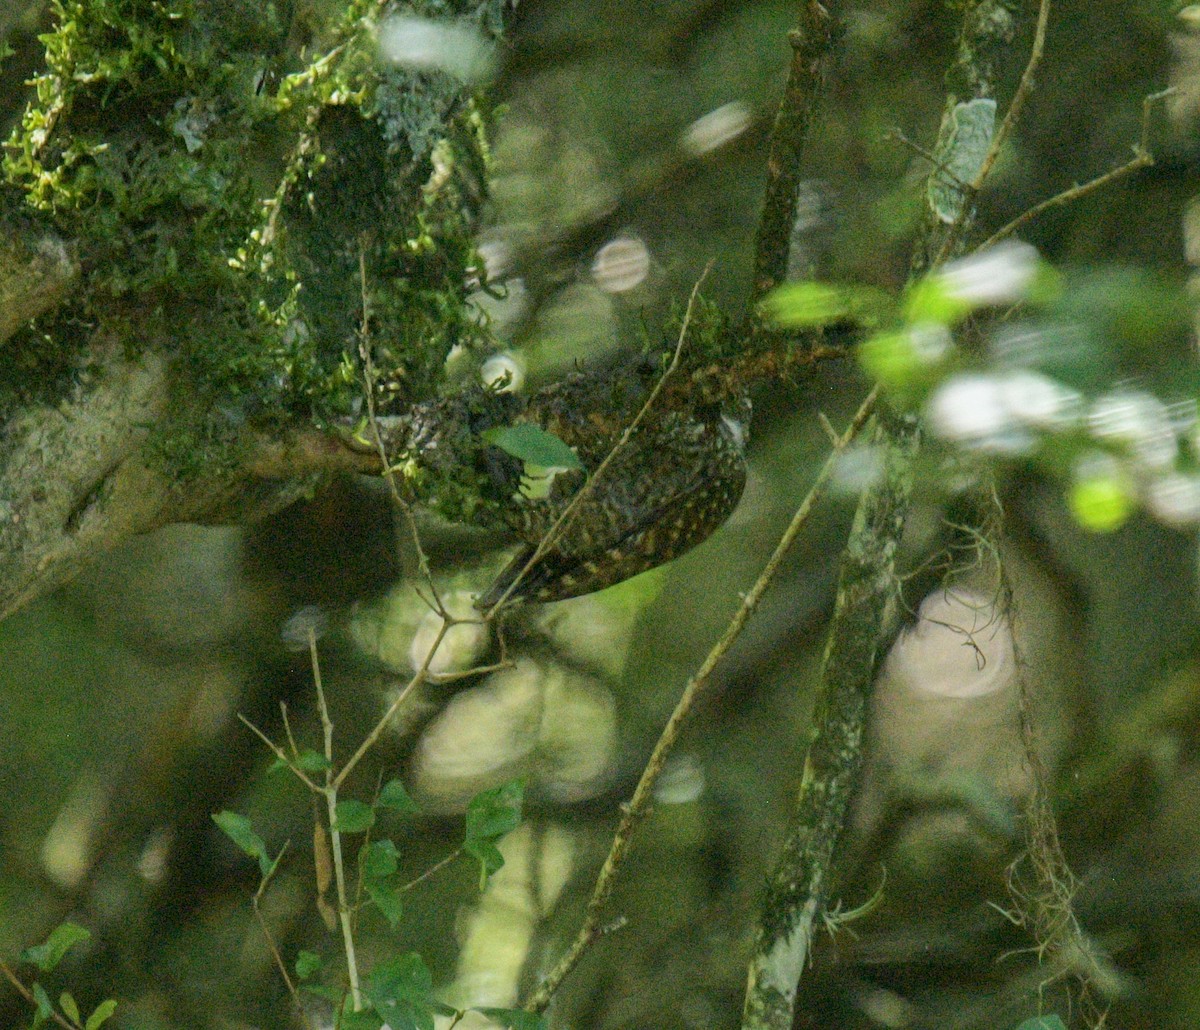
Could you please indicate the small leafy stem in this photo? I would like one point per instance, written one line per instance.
(46, 956)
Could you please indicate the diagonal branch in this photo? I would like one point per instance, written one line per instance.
(865, 616)
(639, 805)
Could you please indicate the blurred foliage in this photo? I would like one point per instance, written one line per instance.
(120, 739)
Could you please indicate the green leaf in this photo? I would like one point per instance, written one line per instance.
(908, 359)
(379, 860)
(239, 830)
(933, 300)
(533, 444)
(311, 761)
(366, 1019)
(67, 1003)
(802, 305)
(387, 899)
(308, 761)
(490, 815)
(308, 964)
(396, 798)
(807, 305)
(1101, 503)
(488, 856)
(493, 813)
(43, 1006)
(353, 816)
(62, 938)
(101, 1014)
(401, 992)
(516, 1019)
(1051, 1022)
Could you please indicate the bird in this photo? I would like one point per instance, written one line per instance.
(677, 479)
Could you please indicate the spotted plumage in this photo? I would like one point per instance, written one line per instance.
(679, 477)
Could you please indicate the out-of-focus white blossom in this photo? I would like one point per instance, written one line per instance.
(1139, 420)
(931, 341)
(999, 275)
(427, 44)
(971, 410)
(715, 129)
(1037, 400)
(503, 372)
(308, 621)
(621, 264)
(1174, 499)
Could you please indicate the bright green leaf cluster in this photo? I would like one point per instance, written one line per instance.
(1102, 503)
(46, 956)
(813, 305)
(1043, 387)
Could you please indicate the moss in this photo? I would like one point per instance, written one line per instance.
(228, 207)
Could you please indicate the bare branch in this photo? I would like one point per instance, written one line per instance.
(640, 803)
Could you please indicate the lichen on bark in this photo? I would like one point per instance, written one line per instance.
(233, 188)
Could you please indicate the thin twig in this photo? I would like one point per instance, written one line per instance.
(274, 949)
(435, 868)
(929, 157)
(1068, 196)
(282, 755)
(1020, 96)
(1142, 158)
(588, 488)
(27, 994)
(287, 728)
(335, 835)
(951, 242)
(591, 927)
(441, 678)
(419, 677)
(389, 475)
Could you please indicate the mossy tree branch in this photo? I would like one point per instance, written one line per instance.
(192, 347)
(811, 42)
(866, 610)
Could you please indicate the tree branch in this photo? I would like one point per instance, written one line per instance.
(865, 617)
(80, 476)
(812, 42)
(866, 611)
(639, 805)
